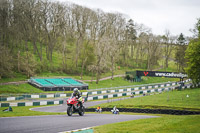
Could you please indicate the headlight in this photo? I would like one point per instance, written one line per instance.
(69, 101)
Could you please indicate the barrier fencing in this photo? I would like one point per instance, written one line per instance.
(92, 92)
(91, 98)
(129, 93)
(31, 103)
(151, 111)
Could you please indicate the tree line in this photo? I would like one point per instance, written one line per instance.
(41, 35)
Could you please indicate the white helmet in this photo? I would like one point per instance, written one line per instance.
(75, 90)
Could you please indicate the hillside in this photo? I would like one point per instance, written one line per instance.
(91, 44)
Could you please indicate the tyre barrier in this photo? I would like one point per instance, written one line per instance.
(151, 111)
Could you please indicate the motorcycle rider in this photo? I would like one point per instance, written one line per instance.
(115, 110)
(78, 96)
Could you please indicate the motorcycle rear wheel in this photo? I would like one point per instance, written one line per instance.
(81, 111)
(69, 111)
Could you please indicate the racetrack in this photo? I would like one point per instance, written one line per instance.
(63, 107)
(59, 123)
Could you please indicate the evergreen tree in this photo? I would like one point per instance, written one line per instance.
(181, 40)
(180, 53)
(131, 35)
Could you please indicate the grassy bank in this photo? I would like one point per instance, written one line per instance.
(16, 77)
(164, 124)
(21, 77)
(167, 100)
(26, 88)
(21, 88)
(121, 82)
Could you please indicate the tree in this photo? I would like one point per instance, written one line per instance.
(4, 19)
(196, 30)
(168, 46)
(153, 50)
(70, 38)
(131, 32)
(92, 69)
(181, 40)
(114, 41)
(193, 63)
(6, 62)
(193, 57)
(87, 56)
(180, 53)
(101, 57)
(141, 42)
(28, 64)
(81, 17)
(197, 27)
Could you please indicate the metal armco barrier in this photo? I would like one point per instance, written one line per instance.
(92, 92)
(36, 96)
(32, 103)
(151, 111)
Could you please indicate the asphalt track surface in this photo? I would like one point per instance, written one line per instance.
(60, 123)
(63, 107)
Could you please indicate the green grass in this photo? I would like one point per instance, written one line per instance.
(166, 100)
(85, 77)
(171, 67)
(49, 74)
(24, 111)
(164, 124)
(121, 82)
(16, 77)
(21, 88)
(20, 77)
(27, 88)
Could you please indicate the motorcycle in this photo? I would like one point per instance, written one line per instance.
(115, 111)
(74, 106)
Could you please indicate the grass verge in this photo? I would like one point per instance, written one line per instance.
(24, 111)
(21, 88)
(164, 124)
(27, 88)
(181, 100)
(121, 82)
(16, 77)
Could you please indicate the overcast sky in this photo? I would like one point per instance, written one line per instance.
(178, 16)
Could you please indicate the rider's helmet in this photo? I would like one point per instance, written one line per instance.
(75, 90)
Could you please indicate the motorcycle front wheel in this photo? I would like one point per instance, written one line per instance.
(69, 111)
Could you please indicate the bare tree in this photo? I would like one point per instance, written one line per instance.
(168, 46)
(81, 18)
(153, 50)
(6, 62)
